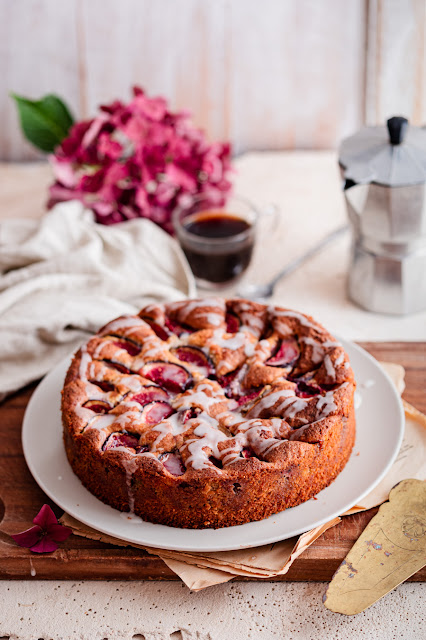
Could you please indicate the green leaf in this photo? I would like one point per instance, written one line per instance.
(45, 122)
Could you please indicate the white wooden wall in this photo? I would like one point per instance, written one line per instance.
(264, 74)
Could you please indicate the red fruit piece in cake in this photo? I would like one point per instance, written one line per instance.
(251, 395)
(105, 386)
(117, 365)
(142, 449)
(188, 414)
(247, 453)
(225, 381)
(171, 376)
(173, 463)
(158, 330)
(149, 394)
(155, 412)
(307, 390)
(194, 355)
(287, 354)
(232, 323)
(131, 348)
(98, 406)
(116, 440)
(176, 328)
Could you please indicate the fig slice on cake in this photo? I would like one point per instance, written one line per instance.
(286, 355)
(118, 439)
(168, 375)
(159, 331)
(149, 394)
(131, 347)
(173, 463)
(155, 412)
(195, 356)
(98, 406)
(232, 323)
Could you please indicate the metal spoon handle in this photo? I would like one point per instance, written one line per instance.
(292, 266)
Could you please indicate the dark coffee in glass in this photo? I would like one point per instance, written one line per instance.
(217, 242)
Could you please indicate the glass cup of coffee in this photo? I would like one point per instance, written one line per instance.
(218, 240)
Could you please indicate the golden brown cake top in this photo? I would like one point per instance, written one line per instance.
(208, 384)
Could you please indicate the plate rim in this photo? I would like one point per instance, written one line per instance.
(74, 512)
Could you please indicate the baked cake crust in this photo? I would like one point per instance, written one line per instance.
(209, 413)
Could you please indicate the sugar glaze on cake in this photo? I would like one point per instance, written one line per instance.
(209, 413)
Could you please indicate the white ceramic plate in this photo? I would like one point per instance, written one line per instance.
(380, 428)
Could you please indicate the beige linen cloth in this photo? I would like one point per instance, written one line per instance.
(201, 570)
(64, 276)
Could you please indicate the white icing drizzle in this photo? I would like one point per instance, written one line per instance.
(130, 517)
(253, 324)
(326, 404)
(132, 416)
(329, 367)
(92, 372)
(93, 392)
(215, 319)
(294, 314)
(318, 347)
(250, 434)
(172, 425)
(208, 437)
(99, 348)
(130, 465)
(270, 399)
(153, 348)
(200, 307)
(235, 342)
(249, 349)
(85, 360)
(132, 383)
(100, 422)
(123, 323)
(198, 397)
(154, 307)
(230, 418)
(339, 360)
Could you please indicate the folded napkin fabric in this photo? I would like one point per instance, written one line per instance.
(64, 276)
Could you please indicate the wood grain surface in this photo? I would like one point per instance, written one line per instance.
(79, 558)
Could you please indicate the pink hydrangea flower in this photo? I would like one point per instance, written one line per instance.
(45, 534)
(139, 160)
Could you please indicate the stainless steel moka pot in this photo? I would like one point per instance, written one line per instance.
(384, 172)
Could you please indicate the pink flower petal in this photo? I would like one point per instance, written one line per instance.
(108, 147)
(44, 546)
(45, 517)
(181, 177)
(95, 127)
(58, 532)
(28, 538)
(64, 171)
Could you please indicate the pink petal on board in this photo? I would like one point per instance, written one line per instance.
(28, 538)
(45, 545)
(45, 517)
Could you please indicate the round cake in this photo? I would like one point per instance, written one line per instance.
(209, 413)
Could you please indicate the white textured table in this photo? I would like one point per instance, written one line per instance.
(305, 185)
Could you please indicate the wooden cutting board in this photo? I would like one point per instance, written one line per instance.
(79, 558)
